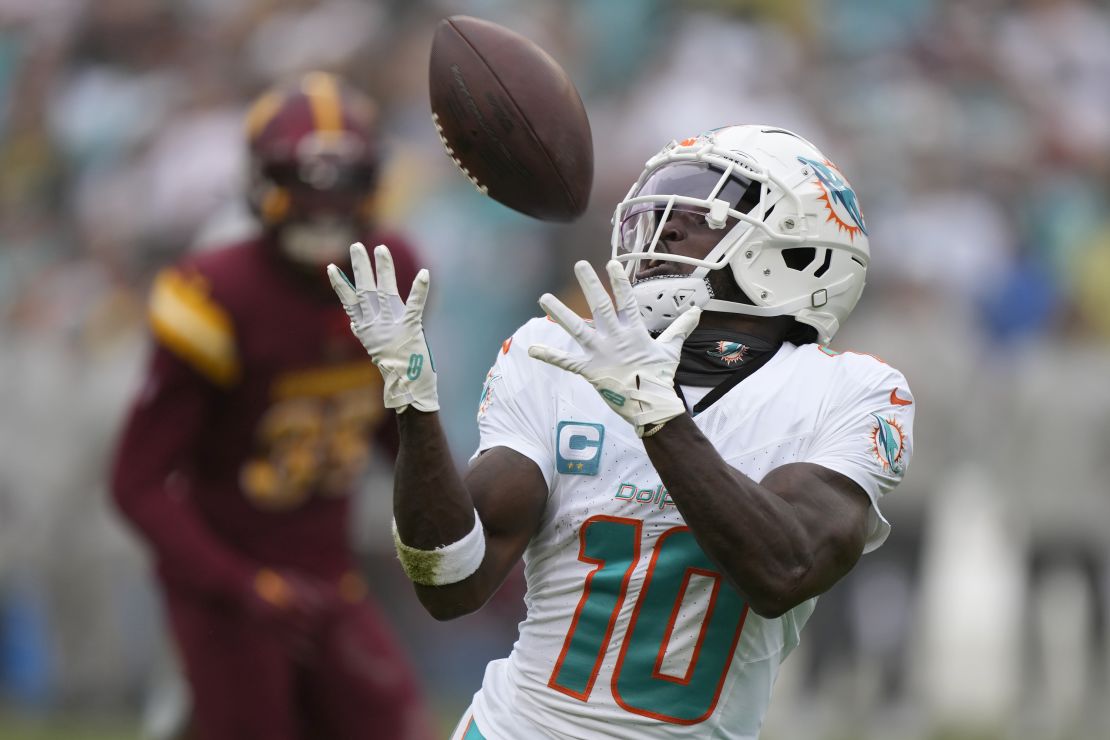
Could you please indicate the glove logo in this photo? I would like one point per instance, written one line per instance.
(578, 447)
(416, 366)
(612, 397)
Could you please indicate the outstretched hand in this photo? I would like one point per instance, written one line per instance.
(633, 372)
(390, 330)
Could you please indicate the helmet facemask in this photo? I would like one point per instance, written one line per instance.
(315, 162)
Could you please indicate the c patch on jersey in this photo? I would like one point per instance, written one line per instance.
(888, 442)
(578, 446)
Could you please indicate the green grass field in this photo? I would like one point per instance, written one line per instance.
(21, 727)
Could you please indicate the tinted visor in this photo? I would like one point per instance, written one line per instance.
(690, 179)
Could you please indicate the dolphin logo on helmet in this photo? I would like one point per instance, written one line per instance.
(838, 192)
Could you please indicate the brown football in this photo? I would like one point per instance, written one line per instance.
(511, 119)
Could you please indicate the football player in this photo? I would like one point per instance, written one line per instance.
(683, 475)
(249, 434)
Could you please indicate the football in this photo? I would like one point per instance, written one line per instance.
(511, 119)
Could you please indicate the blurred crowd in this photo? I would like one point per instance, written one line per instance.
(976, 133)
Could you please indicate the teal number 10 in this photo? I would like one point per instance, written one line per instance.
(639, 684)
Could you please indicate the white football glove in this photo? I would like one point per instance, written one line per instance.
(391, 331)
(633, 372)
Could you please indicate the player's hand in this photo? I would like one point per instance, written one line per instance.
(294, 607)
(391, 331)
(633, 372)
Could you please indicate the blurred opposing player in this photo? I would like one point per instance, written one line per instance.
(681, 485)
(256, 418)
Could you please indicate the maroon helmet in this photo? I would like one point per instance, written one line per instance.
(315, 159)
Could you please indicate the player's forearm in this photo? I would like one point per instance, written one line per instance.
(430, 501)
(433, 508)
(751, 532)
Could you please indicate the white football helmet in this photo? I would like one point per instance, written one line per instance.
(795, 239)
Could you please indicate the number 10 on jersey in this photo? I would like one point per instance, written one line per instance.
(639, 683)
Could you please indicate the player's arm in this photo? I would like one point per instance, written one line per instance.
(781, 540)
(457, 537)
(434, 506)
(166, 419)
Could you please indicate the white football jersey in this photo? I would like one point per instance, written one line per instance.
(631, 631)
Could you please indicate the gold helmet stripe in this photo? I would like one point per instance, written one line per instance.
(322, 90)
(263, 111)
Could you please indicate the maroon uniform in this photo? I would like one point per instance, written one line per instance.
(256, 417)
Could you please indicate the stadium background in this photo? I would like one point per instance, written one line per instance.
(977, 134)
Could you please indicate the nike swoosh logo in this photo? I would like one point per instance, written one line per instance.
(894, 399)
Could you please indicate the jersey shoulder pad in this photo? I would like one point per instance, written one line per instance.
(860, 362)
(862, 373)
(190, 322)
(515, 369)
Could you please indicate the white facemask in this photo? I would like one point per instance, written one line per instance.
(317, 242)
(664, 298)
